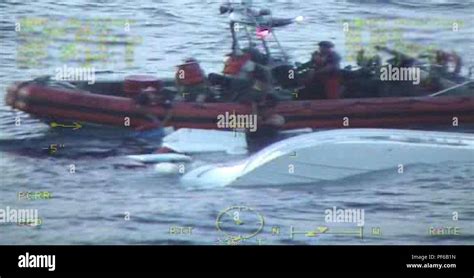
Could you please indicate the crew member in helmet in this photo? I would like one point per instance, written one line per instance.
(325, 71)
(239, 65)
(246, 75)
(191, 82)
(239, 72)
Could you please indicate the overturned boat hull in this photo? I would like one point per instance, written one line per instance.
(336, 154)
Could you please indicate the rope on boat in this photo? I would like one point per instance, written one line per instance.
(451, 88)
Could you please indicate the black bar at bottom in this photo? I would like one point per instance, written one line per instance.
(242, 258)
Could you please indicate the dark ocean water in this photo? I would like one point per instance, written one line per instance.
(89, 206)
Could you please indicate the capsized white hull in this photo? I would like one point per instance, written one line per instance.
(189, 140)
(336, 154)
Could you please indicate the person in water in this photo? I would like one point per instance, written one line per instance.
(269, 123)
(251, 83)
(324, 73)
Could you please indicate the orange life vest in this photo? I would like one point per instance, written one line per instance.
(233, 65)
(189, 74)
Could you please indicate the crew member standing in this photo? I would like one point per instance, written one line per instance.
(326, 69)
